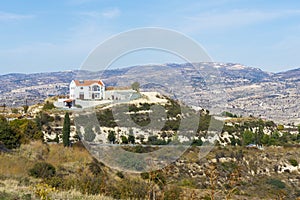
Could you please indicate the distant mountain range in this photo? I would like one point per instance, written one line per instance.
(215, 86)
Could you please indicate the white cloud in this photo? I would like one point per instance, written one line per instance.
(111, 13)
(108, 13)
(5, 16)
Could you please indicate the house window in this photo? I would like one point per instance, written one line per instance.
(81, 88)
(96, 88)
(81, 95)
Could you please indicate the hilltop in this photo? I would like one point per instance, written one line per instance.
(237, 88)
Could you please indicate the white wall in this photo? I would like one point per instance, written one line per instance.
(76, 90)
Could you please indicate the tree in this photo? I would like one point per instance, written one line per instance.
(265, 139)
(4, 106)
(111, 137)
(7, 135)
(135, 86)
(248, 137)
(43, 118)
(27, 130)
(25, 108)
(66, 130)
(42, 170)
(131, 139)
(197, 142)
(56, 138)
(124, 139)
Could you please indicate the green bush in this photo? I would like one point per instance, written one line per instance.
(197, 142)
(4, 195)
(124, 139)
(48, 106)
(188, 183)
(55, 181)
(111, 136)
(145, 175)
(172, 193)
(293, 162)
(96, 167)
(120, 175)
(42, 170)
(7, 135)
(276, 183)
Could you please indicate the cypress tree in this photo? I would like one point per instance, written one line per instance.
(66, 130)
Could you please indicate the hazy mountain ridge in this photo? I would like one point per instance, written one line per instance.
(224, 86)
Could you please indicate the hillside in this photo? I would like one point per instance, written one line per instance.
(234, 168)
(232, 87)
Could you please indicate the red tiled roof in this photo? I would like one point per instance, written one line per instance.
(68, 100)
(87, 82)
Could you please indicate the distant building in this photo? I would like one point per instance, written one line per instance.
(87, 90)
(121, 93)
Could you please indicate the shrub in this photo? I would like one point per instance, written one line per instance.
(24, 181)
(132, 189)
(7, 136)
(42, 170)
(78, 106)
(293, 162)
(43, 190)
(188, 183)
(91, 185)
(124, 139)
(197, 142)
(248, 137)
(10, 195)
(120, 175)
(276, 183)
(172, 193)
(280, 127)
(96, 167)
(111, 136)
(131, 139)
(48, 106)
(56, 182)
(158, 178)
(145, 175)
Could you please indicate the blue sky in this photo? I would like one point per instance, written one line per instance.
(38, 36)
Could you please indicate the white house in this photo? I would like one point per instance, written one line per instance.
(87, 90)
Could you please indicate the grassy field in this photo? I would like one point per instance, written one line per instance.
(227, 172)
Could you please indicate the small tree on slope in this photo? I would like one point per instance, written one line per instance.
(66, 130)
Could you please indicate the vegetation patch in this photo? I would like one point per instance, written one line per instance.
(276, 183)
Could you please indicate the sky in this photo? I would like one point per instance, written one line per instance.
(58, 35)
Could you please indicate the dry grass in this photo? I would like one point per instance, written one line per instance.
(17, 163)
(14, 169)
(59, 154)
(14, 166)
(14, 191)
